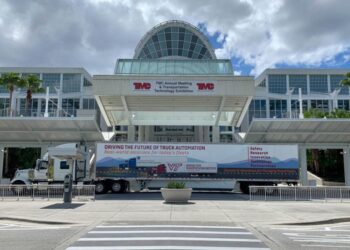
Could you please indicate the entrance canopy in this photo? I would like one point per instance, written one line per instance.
(298, 131)
(51, 129)
(208, 100)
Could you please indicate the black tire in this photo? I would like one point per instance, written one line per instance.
(100, 187)
(19, 190)
(118, 187)
(244, 187)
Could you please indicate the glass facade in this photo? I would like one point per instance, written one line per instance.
(175, 42)
(89, 104)
(174, 67)
(322, 105)
(70, 106)
(335, 83)
(51, 80)
(71, 83)
(32, 109)
(278, 108)
(277, 84)
(295, 104)
(318, 84)
(298, 81)
(257, 109)
(343, 104)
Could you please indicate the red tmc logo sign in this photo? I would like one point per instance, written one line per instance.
(142, 86)
(205, 86)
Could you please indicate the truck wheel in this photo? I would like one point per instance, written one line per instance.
(100, 188)
(244, 187)
(20, 188)
(118, 187)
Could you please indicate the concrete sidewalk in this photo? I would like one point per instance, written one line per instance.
(149, 207)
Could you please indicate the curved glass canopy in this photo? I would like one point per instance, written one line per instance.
(174, 39)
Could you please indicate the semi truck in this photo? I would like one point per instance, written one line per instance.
(120, 167)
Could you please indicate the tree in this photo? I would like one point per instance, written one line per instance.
(32, 84)
(11, 81)
(346, 81)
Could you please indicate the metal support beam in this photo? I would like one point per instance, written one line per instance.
(218, 115)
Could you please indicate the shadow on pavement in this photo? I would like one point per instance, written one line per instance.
(155, 195)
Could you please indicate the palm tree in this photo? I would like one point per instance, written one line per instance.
(32, 83)
(346, 81)
(11, 81)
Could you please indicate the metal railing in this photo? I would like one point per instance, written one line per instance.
(299, 193)
(45, 192)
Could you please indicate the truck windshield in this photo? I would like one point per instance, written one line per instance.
(43, 165)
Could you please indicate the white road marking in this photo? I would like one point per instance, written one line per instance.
(169, 238)
(169, 231)
(169, 226)
(329, 246)
(164, 247)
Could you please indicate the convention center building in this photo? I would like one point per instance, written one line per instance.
(175, 90)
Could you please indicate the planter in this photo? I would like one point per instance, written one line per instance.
(176, 195)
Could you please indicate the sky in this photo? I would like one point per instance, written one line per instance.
(255, 35)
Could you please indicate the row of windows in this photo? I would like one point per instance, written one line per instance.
(70, 83)
(278, 108)
(318, 84)
(69, 105)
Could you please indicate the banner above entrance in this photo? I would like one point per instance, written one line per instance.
(174, 87)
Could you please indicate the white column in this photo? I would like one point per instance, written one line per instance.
(46, 114)
(141, 134)
(147, 133)
(200, 134)
(301, 113)
(216, 134)
(131, 133)
(346, 155)
(303, 166)
(206, 134)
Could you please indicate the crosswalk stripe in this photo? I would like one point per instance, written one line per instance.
(169, 231)
(166, 226)
(169, 238)
(164, 247)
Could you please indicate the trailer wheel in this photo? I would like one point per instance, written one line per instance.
(118, 187)
(100, 187)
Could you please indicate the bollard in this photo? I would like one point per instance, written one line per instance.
(67, 189)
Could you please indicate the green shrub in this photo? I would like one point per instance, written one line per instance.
(175, 185)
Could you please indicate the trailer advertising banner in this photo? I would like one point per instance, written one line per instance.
(205, 160)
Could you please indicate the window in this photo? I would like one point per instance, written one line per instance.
(277, 84)
(87, 83)
(298, 81)
(51, 81)
(322, 105)
(70, 106)
(89, 104)
(318, 84)
(278, 108)
(335, 83)
(71, 83)
(257, 109)
(64, 165)
(343, 104)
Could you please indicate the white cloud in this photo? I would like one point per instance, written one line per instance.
(93, 34)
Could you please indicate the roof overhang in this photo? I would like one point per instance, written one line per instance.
(223, 101)
(302, 131)
(51, 129)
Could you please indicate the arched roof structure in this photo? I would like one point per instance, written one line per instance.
(174, 39)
